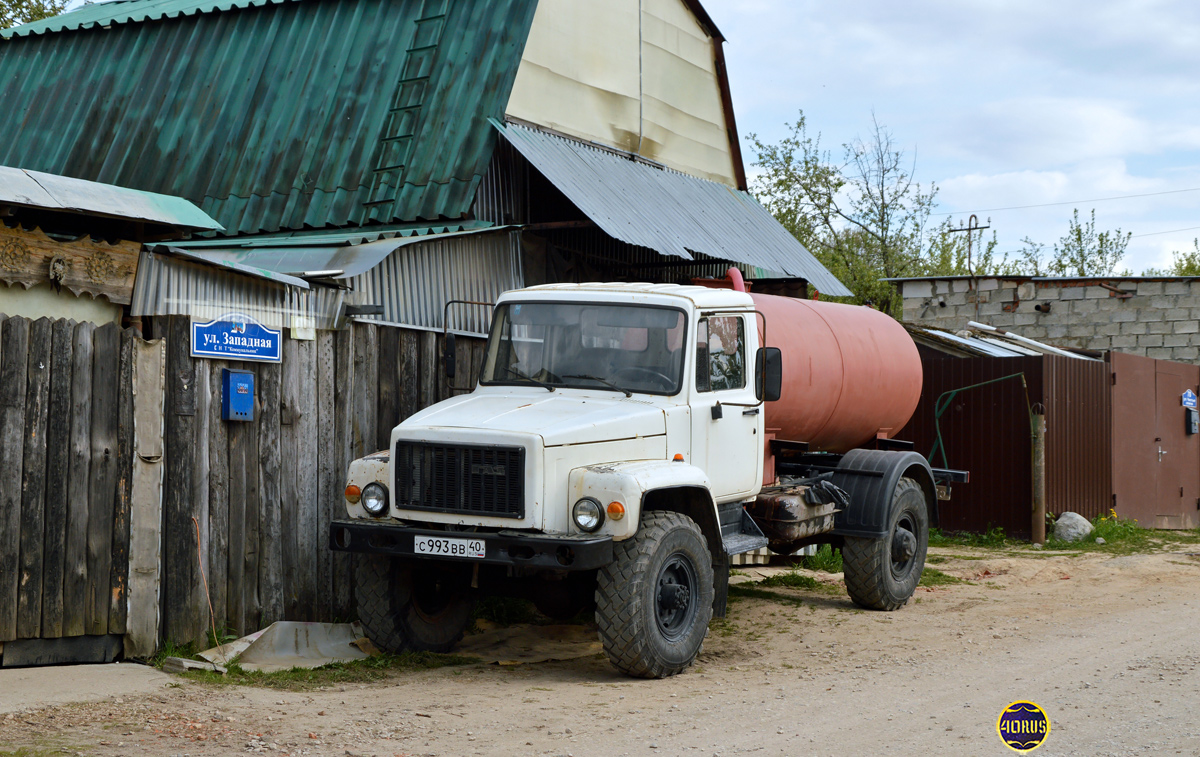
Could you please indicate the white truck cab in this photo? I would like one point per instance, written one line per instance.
(604, 459)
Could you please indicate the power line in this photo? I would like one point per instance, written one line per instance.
(1156, 233)
(1071, 202)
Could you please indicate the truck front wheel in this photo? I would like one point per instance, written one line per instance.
(883, 573)
(406, 607)
(654, 601)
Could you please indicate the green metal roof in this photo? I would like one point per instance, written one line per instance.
(269, 115)
(48, 192)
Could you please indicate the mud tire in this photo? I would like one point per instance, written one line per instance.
(874, 579)
(638, 597)
(411, 608)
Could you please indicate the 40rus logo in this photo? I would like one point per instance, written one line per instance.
(1023, 726)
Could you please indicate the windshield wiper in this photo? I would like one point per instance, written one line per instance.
(609, 384)
(531, 379)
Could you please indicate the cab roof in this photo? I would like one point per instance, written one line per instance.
(700, 297)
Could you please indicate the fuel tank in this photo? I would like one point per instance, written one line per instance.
(850, 373)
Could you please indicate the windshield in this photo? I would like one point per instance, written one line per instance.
(620, 348)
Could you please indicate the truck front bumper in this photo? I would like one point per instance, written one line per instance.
(502, 548)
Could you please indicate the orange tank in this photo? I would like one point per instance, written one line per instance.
(850, 373)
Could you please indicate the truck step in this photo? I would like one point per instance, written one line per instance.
(739, 532)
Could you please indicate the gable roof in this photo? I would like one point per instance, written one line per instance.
(269, 114)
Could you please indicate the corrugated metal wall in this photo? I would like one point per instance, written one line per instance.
(414, 283)
(986, 430)
(1077, 396)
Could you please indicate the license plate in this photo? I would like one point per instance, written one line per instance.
(436, 545)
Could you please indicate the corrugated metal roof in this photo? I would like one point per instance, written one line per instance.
(348, 260)
(169, 283)
(270, 115)
(671, 212)
(43, 190)
(415, 281)
(356, 235)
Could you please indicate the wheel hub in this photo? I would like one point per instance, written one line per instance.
(904, 545)
(674, 603)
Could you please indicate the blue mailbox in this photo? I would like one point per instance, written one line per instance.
(237, 395)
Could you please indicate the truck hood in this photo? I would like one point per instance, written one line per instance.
(558, 418)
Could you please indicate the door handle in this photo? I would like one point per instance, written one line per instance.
(751, 411)
(1161, 452)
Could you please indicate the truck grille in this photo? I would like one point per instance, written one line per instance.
(461, 478)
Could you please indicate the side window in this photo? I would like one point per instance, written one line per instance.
(720, 354)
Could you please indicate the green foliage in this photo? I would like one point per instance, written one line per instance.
(1183, 263)
(749, 591)
(827, 560)
(1082, 251)
(506, 611)
(863, 214)
(994, 537)
(15, 12)
(935, 577)
(792, 580)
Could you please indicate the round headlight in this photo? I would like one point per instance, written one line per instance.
(588, 514)
(374, 499)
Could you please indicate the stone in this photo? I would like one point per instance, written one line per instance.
(1159, 353)
(986, 285)
(1159, 327)
(918, 289)
(1124, 316)
(1175, 287)
(1131, 328)
(1073, 293)
(1186, 327)
(1149, 287)
(1038, 546)
(1179, 314)
(1027, 291)
(1097, 293)
(1100, 540)
(1150, 340)
(1124, 341)
(1071, 527)
(1177, 340)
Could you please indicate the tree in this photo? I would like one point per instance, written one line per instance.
(15, 12)
(863, 215)
(1183, 263)
(1082, 251)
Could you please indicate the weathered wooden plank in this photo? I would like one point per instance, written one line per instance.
(252, 601)
(429, 373)
(33, 480)
(106, 366)
(308, 500)
(410, 373)
(200, 487)
(58, 462)
(270, 569)
(218, 500)
(328, 471)
(14, 349)
(289, 489)
(181, 617)
(75, 570)
(118, 599)
(351, 381)
(388, 408)
(145, 501)
(239, 439)
(362, 404)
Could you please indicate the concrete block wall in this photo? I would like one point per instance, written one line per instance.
(1161, 319)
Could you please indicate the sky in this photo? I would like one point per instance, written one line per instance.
(1003, 103)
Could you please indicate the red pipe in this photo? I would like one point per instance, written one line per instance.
(735, 277)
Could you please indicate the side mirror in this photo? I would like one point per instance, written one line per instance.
(449, 356)
(768, 374)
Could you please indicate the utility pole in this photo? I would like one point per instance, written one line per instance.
(971, 227)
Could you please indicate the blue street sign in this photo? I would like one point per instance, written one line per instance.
(236, 337)
(1189, 398)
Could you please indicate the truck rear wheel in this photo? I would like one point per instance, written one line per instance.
(407, 607)
(654, 601)
(883, 573)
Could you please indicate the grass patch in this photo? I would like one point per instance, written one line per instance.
(34, 752)
(934, 560)
(935, 577)
(1123, 536)
(826, 560)
(358, 671)
(506, 611)
(743, 591)
(994, 537)
(795, 580)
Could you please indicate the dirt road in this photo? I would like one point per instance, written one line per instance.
(1108, 646)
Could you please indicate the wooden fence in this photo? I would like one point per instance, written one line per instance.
(262, 493)
(103, 457)
(67, 443)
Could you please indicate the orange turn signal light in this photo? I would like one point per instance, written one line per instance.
(616, 510)
(353, 494)
(678, 458)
